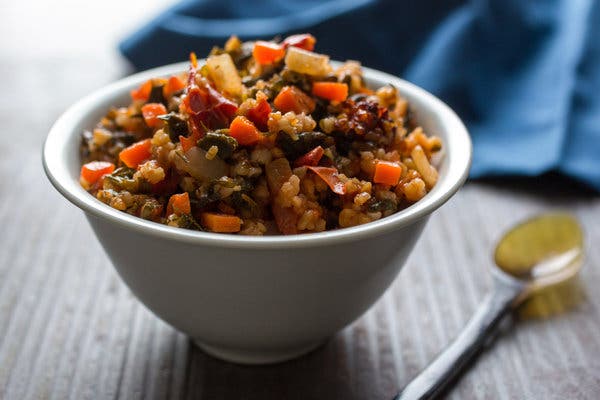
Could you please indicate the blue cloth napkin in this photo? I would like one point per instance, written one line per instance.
(523, 75)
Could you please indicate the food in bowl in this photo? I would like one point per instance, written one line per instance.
(264, 137)
(255, 299)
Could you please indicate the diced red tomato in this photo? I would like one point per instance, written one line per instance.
(259, 114)
(207, 108)
(311, 158)
(304, 41)
(167, 185)
(329, 175)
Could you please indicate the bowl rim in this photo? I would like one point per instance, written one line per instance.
(458, 148)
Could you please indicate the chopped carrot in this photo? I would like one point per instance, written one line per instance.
(93, 171)
(311, 158)
(304, 41)
(221, 222)
(187, 142)
(133, 155)
(151, 111)
(143, 92)
(330, 90)
(244, 131)
(290, 98)
(173, 85)
(179, 204)
(329, 175)
(387, 172)
(267, 52)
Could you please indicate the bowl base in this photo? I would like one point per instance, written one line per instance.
(256, 357)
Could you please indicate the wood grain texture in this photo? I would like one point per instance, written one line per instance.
(70, 329)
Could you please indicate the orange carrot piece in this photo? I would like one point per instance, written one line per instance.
(173, 85)
(267, 52)
(329, 175)
(133, 155)
(387, 172)
(179, 204)
(290, 98)
(143, 92)
(187, 142)
(221, 223)
(244, 131)
(311, 158)
(330, 90)
(151, 111)
(93, 171)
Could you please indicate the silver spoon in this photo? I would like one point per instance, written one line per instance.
(541, 252)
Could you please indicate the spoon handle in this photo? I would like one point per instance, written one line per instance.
(449, 364)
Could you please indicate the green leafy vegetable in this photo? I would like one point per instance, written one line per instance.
(175, 126)
(225, 143)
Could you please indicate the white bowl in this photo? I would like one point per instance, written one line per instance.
(255, 299)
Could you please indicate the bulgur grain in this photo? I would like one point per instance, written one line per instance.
(414, 190)
(211, 152)
(150, 171)
(290, 123)
(361, 198)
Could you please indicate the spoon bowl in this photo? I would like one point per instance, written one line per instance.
(542, 251)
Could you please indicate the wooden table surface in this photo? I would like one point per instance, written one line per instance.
(70, 329)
